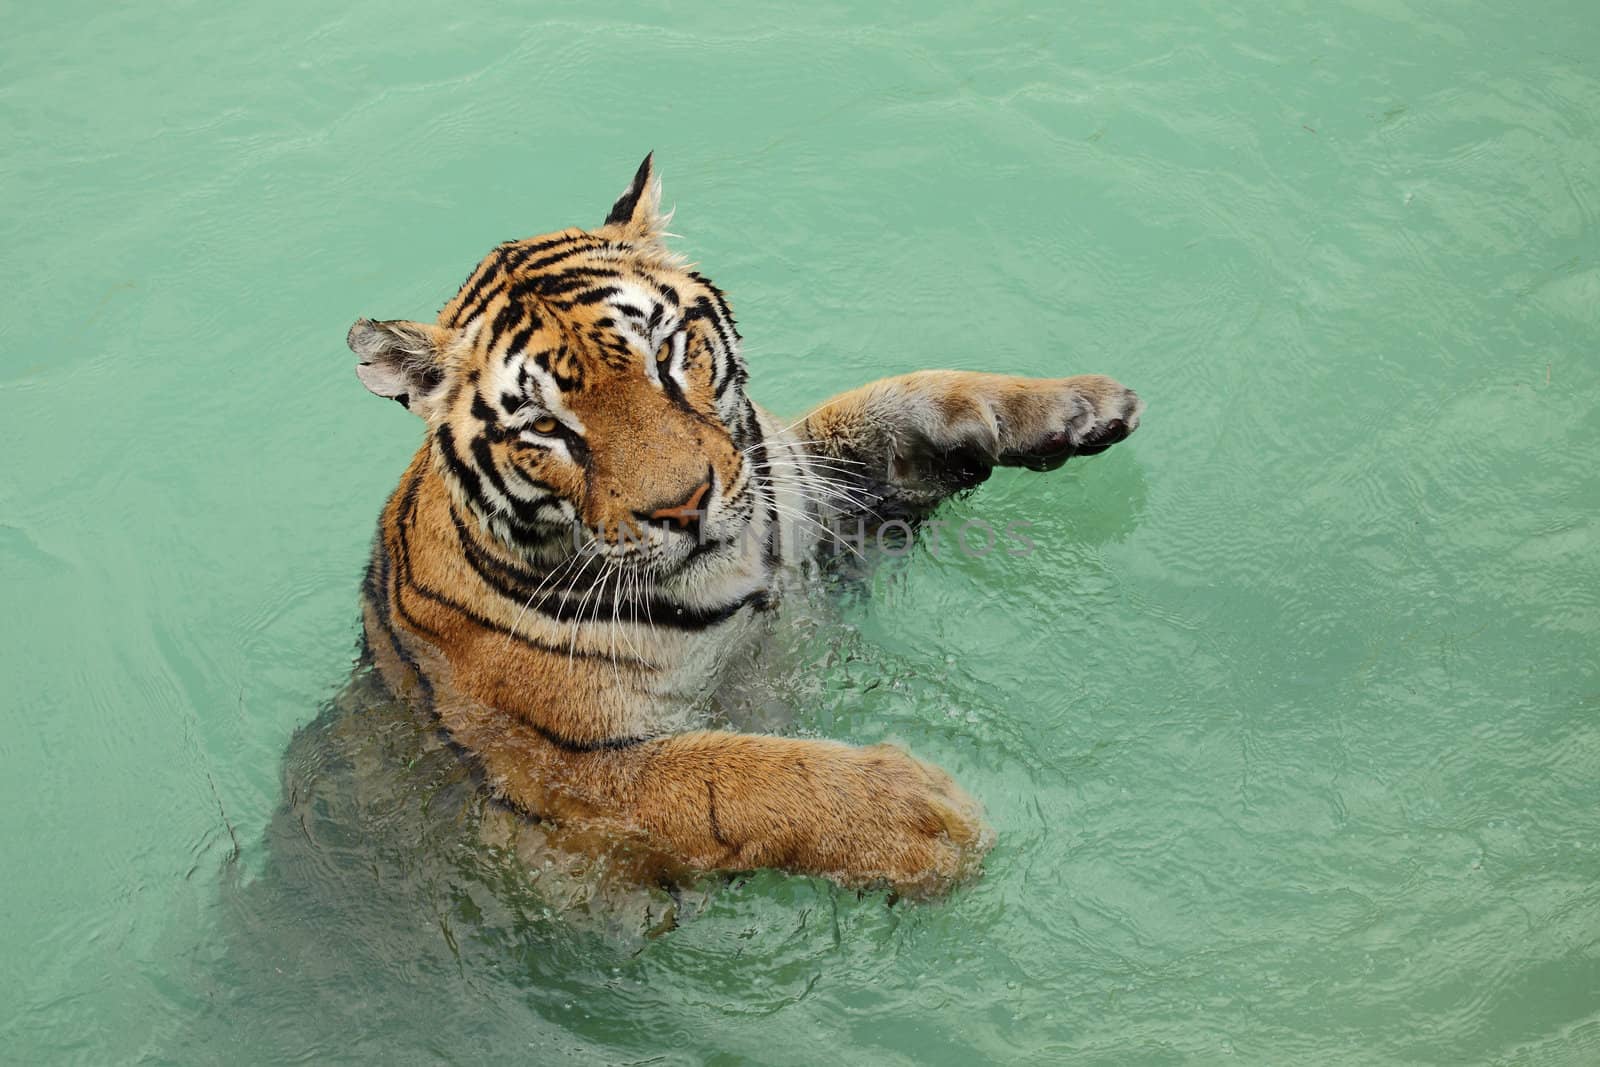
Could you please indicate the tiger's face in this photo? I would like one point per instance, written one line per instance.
(585, 393)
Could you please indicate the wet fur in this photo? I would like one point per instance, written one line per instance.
(536, 583)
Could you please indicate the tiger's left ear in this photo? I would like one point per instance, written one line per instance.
(637, 212)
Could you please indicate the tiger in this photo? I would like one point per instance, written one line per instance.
(599, 516)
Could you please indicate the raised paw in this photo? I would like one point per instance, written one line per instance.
(1046, 422)
(936, 433)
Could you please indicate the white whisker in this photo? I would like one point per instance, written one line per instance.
(767, 444)
(554, 575)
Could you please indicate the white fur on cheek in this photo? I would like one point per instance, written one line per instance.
(555, 445)
(680, 341)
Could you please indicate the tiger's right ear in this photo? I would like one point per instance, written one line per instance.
(402, 360)
(637, 212)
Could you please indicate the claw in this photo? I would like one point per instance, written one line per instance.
(1103, 438)
(1056, 448)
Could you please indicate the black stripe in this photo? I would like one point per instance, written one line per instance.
(537, 483)
(560, 283)
(378, 597)
(737, 377)
(519, 341)
(589, 244)
(721, 300)
(669, 385)
(508, 318)
(471, 484)
(402, 569)
(594, 296)
(711, 815)
(410, 664)
(486, 415)
(704, 546)
(660, 612)
(773, 555)
(375, 578)
(567, 744)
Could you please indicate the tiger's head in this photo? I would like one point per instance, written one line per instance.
(584, 390)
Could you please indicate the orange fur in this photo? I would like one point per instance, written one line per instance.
(585, 385)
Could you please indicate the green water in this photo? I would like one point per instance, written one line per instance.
(1290, 728)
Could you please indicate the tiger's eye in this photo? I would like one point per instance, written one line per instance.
(664, 353)
(545, 425)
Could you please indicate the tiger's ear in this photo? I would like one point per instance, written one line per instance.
(637, 212)
(401, 360)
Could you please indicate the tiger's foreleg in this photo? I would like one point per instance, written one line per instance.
(923, 436)
(716, 800)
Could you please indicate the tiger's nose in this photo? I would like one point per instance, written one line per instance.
(687, 514)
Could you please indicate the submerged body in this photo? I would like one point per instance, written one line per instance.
(600, 517)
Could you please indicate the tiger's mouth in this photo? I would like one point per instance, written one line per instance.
(663, 547)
